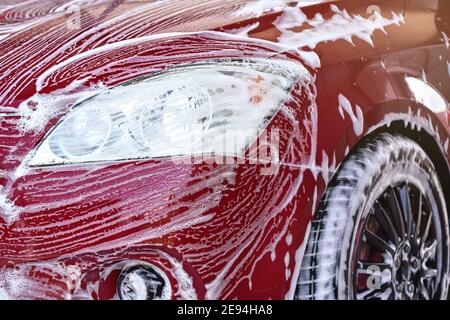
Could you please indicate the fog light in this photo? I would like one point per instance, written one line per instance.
(143, 282)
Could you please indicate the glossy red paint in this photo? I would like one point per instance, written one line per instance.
(220, 231)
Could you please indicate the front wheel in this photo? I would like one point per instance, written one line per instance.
(382, 229)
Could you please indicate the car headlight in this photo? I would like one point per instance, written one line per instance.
(214, 108)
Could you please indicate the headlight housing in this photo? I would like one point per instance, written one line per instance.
(211, 108)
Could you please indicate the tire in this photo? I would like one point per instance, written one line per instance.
(388, 180)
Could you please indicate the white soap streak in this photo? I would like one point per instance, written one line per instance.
(8, 111)
(80, 3)
(15, 28)
(244, 31)
(186, 290)
(257, 8)
(357, 119)
(12, 284)
(4, 7)
(328, 168)
(299, 253)
(446, 40)
(292, 17)
(310, 58)
(416, 121)
(341, 25)
(8, 210)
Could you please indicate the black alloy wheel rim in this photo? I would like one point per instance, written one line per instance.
(399, 251)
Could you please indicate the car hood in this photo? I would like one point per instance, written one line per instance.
(36, 35)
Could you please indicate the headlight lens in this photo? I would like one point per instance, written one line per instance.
(201, 109)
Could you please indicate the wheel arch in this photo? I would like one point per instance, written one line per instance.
(424, 138)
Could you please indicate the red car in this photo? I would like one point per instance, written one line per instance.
(224, 149)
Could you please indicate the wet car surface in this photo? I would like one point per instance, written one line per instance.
(307, 82)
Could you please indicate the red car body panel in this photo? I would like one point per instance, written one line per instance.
(220, 231)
